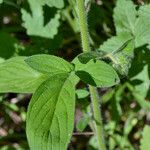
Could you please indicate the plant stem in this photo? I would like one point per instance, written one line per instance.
(93, 91)
(83, 26)
(95, 98)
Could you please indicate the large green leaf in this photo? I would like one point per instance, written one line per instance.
(97, 73)
(17, 76)
(49, 64)
(125, 16)
(135, 22)
(35, 23)
(142, 30)
(145, 144)
(50, 115)
(1, 1)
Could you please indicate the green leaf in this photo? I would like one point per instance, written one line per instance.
(1, 1)
(135, 22)
(83, 122)
(97, 73)
(16, 76)
(142, 30)
(50, 116)
(49, 64)
(145, 140)
(82, 93)
(125, 16)
(35, 23)
(93, 144)
(116, 42)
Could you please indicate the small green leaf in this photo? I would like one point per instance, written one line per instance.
(49, 64)
(93, 144)
(97, 73)
(50, 116)
(16, 76)
(83, 122)
(82, 93)
(145, 144)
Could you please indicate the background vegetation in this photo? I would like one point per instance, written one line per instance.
(125, 107)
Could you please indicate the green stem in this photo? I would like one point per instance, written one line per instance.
(83, 26)
(93, 91)
(95, 98)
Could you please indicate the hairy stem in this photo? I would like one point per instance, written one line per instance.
(95, 98)
(93, 91)
(83, 26)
